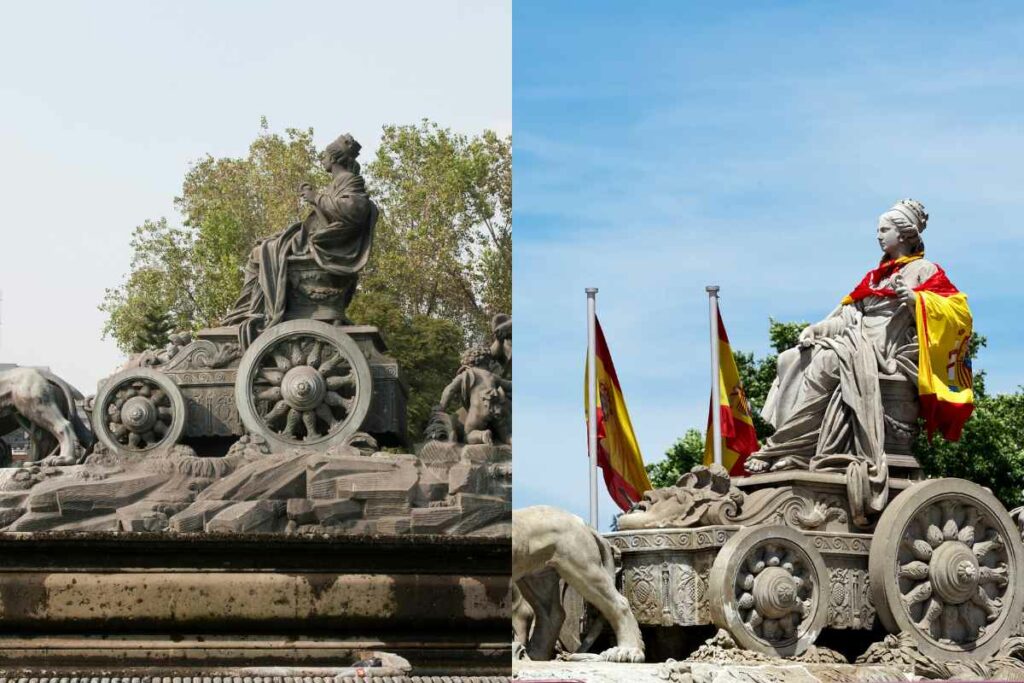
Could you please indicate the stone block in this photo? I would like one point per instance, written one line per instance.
(141, 517)
(300, 511)
(434, 520)
(430, 487)
(90, 496)
(333, 511)
(466, 477)
(251, 516)
(196, 516)
(276, 478)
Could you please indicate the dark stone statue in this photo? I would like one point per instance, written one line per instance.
(310, 270)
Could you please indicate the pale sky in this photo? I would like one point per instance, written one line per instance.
(103, 106)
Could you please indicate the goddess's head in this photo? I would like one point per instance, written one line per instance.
(900, 228)
(341, 152)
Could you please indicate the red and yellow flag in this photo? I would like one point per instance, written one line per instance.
(944, 325)
(739, 439)
(618, 453)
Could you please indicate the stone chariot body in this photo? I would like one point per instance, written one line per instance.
(836, 527)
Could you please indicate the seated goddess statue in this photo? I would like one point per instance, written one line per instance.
(826, 401)
(311, 268)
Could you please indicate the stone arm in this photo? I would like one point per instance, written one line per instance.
(454, 388)
(834, 323)
(338, 206)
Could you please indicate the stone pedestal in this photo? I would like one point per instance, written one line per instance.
(190, 602)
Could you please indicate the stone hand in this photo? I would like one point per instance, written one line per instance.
(807, 337)
(903, 292)
(307, 192)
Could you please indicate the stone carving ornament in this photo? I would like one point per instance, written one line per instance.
(303, 382)
(771, 590)
(947, 569)
(701, 497)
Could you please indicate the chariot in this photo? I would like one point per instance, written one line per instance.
(784, 558)
(312, 381)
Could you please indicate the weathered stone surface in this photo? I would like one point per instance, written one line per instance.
(250, 516)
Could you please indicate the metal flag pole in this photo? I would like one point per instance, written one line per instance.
(592, 404)
(716, 413)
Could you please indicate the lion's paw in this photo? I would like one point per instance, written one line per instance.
(623, 655)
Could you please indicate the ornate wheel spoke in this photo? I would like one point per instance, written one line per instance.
(271, 394)
(771, 586)
(271, 375)
(137, 410)
(309, 420)
(279, 410)
(950, 579)
(291, 423)
(325, 414)
(301, 368)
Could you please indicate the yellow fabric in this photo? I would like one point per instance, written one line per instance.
(618, 439)
(733, 398)
(944, 326)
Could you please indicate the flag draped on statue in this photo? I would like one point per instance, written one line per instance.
(618, 453)
(944, 325)
(739, 439)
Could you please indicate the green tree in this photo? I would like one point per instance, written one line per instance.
(680, 458)
(441, 263)
(155, 332)
(446, 224)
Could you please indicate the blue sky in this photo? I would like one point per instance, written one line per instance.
(104, 105)
(663, 146)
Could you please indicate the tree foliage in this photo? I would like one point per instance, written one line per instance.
(446, 223)
(439, 269)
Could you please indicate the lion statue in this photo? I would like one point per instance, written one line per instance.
(41, 402)
(545, 538)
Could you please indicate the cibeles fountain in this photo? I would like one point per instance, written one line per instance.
(248, 496)
(834, 529)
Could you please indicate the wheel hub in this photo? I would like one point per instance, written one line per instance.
(138, 414)
(954, 572)
(303, 388)
(775, 593)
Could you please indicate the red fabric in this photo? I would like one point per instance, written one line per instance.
(620, 490)
(937, 283)
(946, 417)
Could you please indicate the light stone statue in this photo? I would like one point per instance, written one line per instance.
(546, 538)
(826, 402)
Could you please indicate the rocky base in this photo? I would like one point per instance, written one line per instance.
(448, 489)
(706, 672)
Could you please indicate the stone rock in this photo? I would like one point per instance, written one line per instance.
(196, 516)
(250, 517)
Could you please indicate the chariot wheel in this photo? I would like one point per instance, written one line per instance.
(945, 568)
(769, 589)
(303, 383)
(137, 411)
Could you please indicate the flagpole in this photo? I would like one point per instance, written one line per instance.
(716, 413)
(592, 390)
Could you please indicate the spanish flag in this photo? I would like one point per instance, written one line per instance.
(944, 325)
(618, 453)
(739, 439)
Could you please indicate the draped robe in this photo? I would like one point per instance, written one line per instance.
(337, 234)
